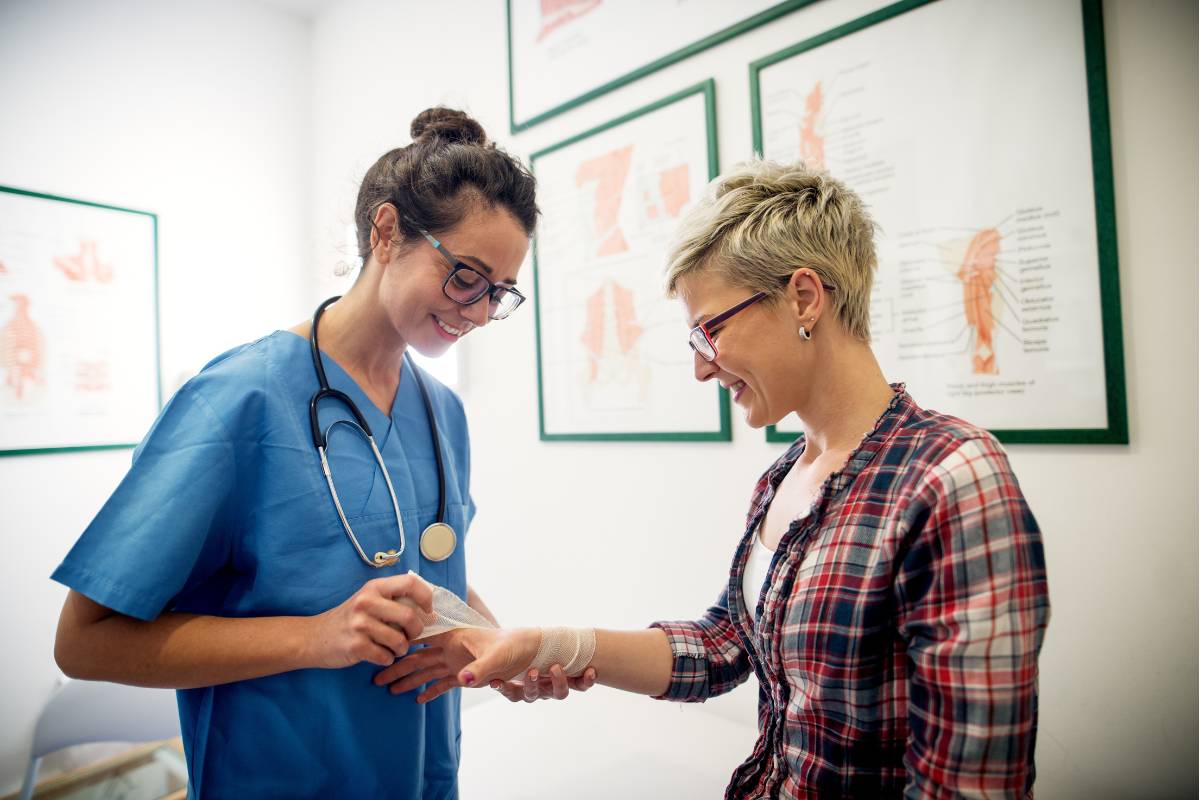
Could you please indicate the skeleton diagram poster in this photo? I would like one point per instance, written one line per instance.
(78, 324)
(977, 134)
(613, 356)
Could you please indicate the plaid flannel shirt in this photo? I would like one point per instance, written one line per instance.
(899, 627)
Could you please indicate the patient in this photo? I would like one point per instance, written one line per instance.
(889, 588)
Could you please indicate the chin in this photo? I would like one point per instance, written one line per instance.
(434, 349)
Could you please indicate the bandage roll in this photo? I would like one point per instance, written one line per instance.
(449, 612)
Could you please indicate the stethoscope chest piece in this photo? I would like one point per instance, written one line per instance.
(438, 542)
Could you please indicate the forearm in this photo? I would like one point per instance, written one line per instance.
(634, 661)
(178, 651)
(476, 602)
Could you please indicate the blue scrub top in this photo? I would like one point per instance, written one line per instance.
(225, 511)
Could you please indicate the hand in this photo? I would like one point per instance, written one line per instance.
(534, 687)
(450, 660)
(371, 625)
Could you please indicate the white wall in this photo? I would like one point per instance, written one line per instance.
(248, 130)
(200, 113)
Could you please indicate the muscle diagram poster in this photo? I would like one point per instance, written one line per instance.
(613, 355)
(977, 134)
(78, 324)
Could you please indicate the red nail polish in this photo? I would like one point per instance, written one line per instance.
(468, 678)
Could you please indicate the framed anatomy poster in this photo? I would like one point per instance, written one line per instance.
(562, 53)
(79, 324)
(977, 134)
(613, 355)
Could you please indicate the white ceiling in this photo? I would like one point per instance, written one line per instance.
(303, 8)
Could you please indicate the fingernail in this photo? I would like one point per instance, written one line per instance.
(468, 678)
(495, 684)
(533, 674)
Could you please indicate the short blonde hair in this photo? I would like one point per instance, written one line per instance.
(763, 220)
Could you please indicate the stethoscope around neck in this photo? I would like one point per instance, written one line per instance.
(438, 540)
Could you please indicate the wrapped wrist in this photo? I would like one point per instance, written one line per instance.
(573, 648)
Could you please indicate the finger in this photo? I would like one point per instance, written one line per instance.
(436, 672)
(515, 692)
(531, 686)
(376, 654)
(438, 689)
(558, 683)
(398, 615)
(583, 682)
(413, 587)
(387, 636)
(412, 662)
(488, 664)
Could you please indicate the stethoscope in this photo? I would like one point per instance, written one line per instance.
(438, 540)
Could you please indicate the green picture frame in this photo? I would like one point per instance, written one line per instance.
(588, 94)
(85, 281)
(722, 431)
(1116, 431)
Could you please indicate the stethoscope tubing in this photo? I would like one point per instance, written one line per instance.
(321, 441)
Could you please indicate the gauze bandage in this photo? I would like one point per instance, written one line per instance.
(573, 648)
(449, 612)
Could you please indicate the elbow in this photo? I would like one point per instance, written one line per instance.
(69, 657)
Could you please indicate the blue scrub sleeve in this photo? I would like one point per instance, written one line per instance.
(164, 529)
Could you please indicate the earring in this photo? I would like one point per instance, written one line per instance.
(805, 335)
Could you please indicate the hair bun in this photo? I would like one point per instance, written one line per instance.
(447, 124)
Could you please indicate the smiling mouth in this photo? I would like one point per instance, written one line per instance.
(737, 389)
(449, 329)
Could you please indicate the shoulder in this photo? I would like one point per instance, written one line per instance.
(239, 383)
(930, 437)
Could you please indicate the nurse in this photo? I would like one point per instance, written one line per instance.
(222, 566)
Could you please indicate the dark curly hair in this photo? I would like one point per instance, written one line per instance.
(449, 169)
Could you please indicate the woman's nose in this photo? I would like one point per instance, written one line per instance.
(477, 312)
(704, 370)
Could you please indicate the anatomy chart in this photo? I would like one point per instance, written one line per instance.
(78, 336)
(565, 51)
(965, 127)
(614, 361)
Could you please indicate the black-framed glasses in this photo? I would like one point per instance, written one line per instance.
(467, 286)
(701, 337)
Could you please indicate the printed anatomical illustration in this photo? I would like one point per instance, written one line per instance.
(22, 350)
(85, 265)
(609, 172)
(611, 328)
(812, 141)
(558, 13)
(978, 276)
(671, 193)
(92, 376)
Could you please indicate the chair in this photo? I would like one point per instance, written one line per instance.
(80, 712)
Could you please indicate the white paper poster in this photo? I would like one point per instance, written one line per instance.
(614, 359)
(964, 126)
(78, 322)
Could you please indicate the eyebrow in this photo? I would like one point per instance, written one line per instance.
(483, 264)
(700, 320)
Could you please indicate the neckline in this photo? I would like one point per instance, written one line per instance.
(859, 457)
(365, 404)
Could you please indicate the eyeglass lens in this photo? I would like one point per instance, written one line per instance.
(465, 286)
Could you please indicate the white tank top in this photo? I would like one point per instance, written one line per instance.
(758, 564)
(756, 573)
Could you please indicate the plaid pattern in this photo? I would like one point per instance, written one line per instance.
(900, 624)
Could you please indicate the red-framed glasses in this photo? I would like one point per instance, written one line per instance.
(701, 336)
